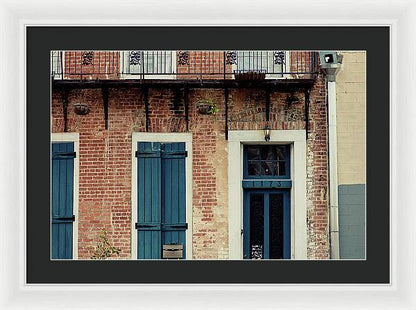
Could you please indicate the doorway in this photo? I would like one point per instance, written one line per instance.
(266, 224)
(266, 205)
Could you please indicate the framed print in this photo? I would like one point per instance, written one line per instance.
(159, 159)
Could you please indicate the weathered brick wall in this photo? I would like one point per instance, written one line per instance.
(99, 65)
(301, 63)
(204, 65)
(317, 176)
(105, 158)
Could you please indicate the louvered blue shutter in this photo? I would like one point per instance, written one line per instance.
(149, 200)
(174, 194)
(161, 197)
(62, 199)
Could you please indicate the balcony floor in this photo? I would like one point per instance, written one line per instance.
(170, 83)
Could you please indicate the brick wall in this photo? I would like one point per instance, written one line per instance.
(105, 158)
(91, 65)
(204, 65)
(301, 63)
(317, 176)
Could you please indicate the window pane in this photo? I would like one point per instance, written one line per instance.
(268, 152)
(254, 168)
(269, 168)
(276, 226)
(280, 152)
(253, 152)
(256, 226)
(282, 168)
(266, 160)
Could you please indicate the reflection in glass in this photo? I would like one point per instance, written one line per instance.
(276, 226)
(266, 160)
(269, 168)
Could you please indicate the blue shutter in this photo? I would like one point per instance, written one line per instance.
(149, 202)
(161, 197)
(62, 199)
(174, 194)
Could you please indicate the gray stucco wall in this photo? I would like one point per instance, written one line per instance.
(351, 203)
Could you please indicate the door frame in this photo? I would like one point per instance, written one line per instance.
(69, 137)
(165, 138)
(297, 141)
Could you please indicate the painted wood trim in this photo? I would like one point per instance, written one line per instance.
(71, 137)
(267, 184)
(162, 137)
(297, 140)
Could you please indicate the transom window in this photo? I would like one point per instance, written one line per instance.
(266, 161)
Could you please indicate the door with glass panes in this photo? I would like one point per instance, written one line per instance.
(266, 210)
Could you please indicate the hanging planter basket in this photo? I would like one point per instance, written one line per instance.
(81, 108)
(205, 106)
(250, 76)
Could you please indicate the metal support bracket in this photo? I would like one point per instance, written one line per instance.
(307, 91)
(65, 94)
(104, 92)
(186, 99)
(146, 105)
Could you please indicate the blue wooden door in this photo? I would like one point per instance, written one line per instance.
(266, 224)
(62, 199)
(161, 197)
(266, 210)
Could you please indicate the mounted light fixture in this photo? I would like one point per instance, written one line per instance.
(267, 133)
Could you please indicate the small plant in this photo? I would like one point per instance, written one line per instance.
(214, 109)
(207, 106)
(104, 249)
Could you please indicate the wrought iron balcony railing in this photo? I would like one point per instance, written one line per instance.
(184, 65)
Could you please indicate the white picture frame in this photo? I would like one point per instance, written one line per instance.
(399, 16)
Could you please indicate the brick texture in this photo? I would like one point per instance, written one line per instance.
(105, 158)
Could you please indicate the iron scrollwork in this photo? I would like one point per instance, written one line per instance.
(135, 57)
(279, 57)
(183, 58)
(231, 58)
(87, 58)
